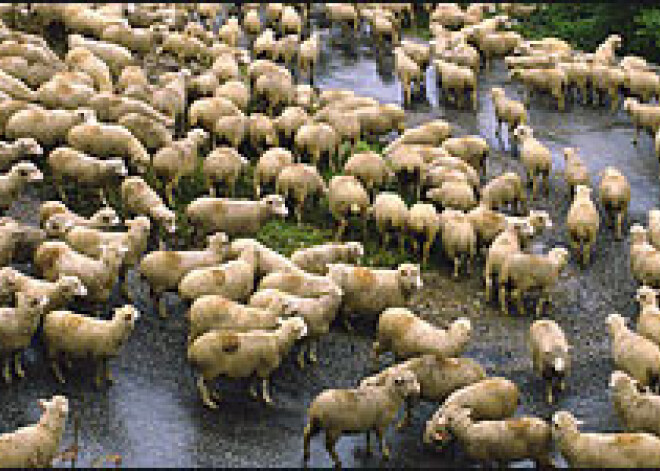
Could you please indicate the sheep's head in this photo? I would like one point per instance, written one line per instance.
(26, 172)
(654, 216)
(405, 384)
(560, 256)
(629, 104)
(276, 205)
(86, 115)
(296, 325)
(410, 277)
(54, 411)
(105, 218)
(30, 147)
(646, 296)
(9, 282)
(457, 415)
(166, 217)
(356, 251)
(522, 132)
(58, 225)
(620, 381)
(615, 322)
(461, 328)
(564, 421)
(141, 224)
(127, 314)
(117, 166)
(609, 172)
(569, 153)
(218, 242)
(32, 302)
(582, 191)
(539, 220)
(496, 92)
(71, 286)
(615, 40)
(200, 136)
(638, 235)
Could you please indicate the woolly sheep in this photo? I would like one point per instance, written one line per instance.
(299, 181)
(643, 116)
(459, 238)
(269, 166)
(347, 196)
(48, 127)
(316, 259)
(648, 322)
(75, 335)
(139, 199)
(13, 182)
(614, 194)
(638, 411)
(472, 149)
(223, 164)
(550, 354)
(391, 214)
(536, 158)
(575, 170)
(299, 283)
(104, 218)
(59, 292)
(508, 111)
(503, 190)
(21, 149)
(582, 222)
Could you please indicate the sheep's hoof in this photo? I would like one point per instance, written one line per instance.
(301, 360)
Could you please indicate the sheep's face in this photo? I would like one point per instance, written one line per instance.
(539, 220)
(646, 296)
(58, 225)
(8, 281)
(27, 172)
(32, 302)
(582, 191)
(356, 251)
(461, 327)
(638, 235)
(563, 420)
(297, 325)
(615, 322)
(405, 383)
(118, 167)
(276, 205)
(127, 314)
(569, 152)
(496, 93)
(141, 224)
(30, 147)
(410, 277)
(106, 217)
(628, 104)
(621, 381)
(54, 411)
(560, 255)
(72, 286)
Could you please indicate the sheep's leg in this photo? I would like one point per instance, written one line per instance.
(204, 393)
(17, 365)
(253, 391)
(425, 252)
(301, 357)
(407, 414)
(549, 392)
(534, 187)
(380, 433)
(108, 373)
(369, 449)
(309, 432)
(586, 253)
(6, 370)
(312, 351)
(619, 225)
(503, 298)
(169, 193)
(330, 440)
(340, 231)
(60, 190)
(102, 196)
(457, 264)
(211, 187)
(55, 366)
(100, 373)
(265, 395)
(517, 295)
(402, 244)
(162, 308)
(539, 305)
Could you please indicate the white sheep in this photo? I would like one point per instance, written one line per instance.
(648, 322)
(550, 354)
(638, 411)
(316, 259)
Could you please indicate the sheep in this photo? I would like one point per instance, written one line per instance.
(508, 111)
(66, 163)
(347, 196)
(288, 123)
(536, 158)
(614, 193)
(648, 322)
(232, 129)
(551, 80)
(164, 270)
(316, 259)
(48, 127)
(300, 181)
(235, 217)
(230, 31)
(15, 88)
(458, 238)
(21, 149)
(68, 90)
(139, 199)
(637, 411)
(472, 149)
(456, 80)
(171, 97)
(252, 22)
(18, 241)
(269, 166)
(58, 293)
(236, 91)
(318, 314)
(432, 133)
(275, 89)
(643, 116)
(369, 291)
(438, 377)
(36, 445)
(104, 218)
(503, 190)
(293, 280)
(642, 83)
(317, 138)
(17, 326)
(633, 353)
(526, 271)
(205, 112)
(575, 170)
(603, 450)
(215, 312)
(9, 107)
(261, 132)
(223, 164)
(408, 72)
(115, 56)
(243, 354)
(84, 60)
(233, 280)
(55, 258)
(380, 119)
(108, 140)
(110, 107)
(390, 213)
(152, 134)
(407, 336)
(178, 160)
(492, 398)
(407, 164)
(440, 165)
(338, 411)
(141, 41)
(582, 222)
(308, 56)
(550, 354)
(643, 257)
(70, 334)
(14, 182)
(654, 227)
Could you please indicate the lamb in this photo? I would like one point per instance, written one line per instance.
(390, 213)
(527, 271)
(317, 258)
(347, 196)
(215, 312)
(405, 334)
(17, 326)
(36, 445)
(243, 354)
(582, 222)
(503, 190)
(55, 258)
(338, 411)
(70, 334)
(233, 280)
(614, 193)
(458, 238)
(318, 314)
(223, 164)
(508, 111)
(58, 293)
(24, 148)
(492, 398)
(550, 354)
(638, 411)
(48, 127)
(633, 353)
(370, 168)
(269, 166)
(575, 170)
(235, 217)
(648, 322)
(164, 270)
(501, 440)
(536, 158)
(14, 182)
(68, 163)
(438, 377)
(603, 450)
(140, 199)
(369, 291)
(104, 218)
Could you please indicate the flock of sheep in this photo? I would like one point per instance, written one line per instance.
(99, 117)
